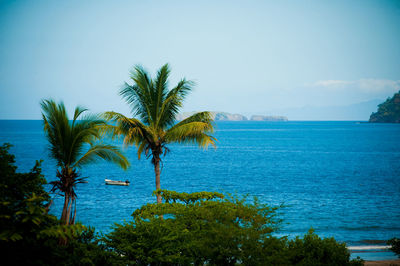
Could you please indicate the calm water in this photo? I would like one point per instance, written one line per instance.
(341, 178)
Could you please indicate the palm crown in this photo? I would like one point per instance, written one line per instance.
(154, 108)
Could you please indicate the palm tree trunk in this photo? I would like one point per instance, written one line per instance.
(65, 209)
(157, 172)
(65, 218)
(68, 217)
(73, 217)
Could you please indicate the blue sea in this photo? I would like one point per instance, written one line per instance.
(340, 178)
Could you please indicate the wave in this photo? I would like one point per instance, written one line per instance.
(369, 228)
(377, 248)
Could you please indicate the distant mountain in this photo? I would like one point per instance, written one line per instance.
(224, 116)
(217, 116)
(354, 112)
(268, 118)
(388, 111)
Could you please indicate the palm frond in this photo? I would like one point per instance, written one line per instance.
(132, 129)
(205, 117)
(86, 131)
(161, 91)
(57, 129)
(141, 148)
(139, 95)
(173, 102)
(138, 100)
(194, 132)
(194, 129)
(78, 111)
(106, 152)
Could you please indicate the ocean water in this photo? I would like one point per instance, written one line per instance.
(340, 178)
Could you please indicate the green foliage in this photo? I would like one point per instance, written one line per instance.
(173, 196)
(85, 249)
(28, 234)
(206, 228)
(22, 199)
(388, 112)
(312, 250)
(199, 228)
(395, 243)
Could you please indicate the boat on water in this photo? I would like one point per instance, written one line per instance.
(117, 182)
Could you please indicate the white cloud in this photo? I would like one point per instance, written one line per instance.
(332, 83)
(378, 85)
(362, 85)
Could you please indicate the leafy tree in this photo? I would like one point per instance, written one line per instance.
(199, 228)
(72, 145)
(155, 108)
(388, 111)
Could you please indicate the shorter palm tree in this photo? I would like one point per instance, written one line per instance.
(73, 144)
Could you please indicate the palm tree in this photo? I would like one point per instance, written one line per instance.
(155, 108)
(73, 145)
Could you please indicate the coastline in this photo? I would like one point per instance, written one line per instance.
(382, 263)
(374, 253)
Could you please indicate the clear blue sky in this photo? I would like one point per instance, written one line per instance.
(246, 56)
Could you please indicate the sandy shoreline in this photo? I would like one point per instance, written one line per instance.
(383, 263)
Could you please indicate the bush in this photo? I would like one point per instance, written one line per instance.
(312, 250)
(395, 243)
(199, 228)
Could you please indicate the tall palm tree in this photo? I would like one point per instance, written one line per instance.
(154, 109)
(73, 145)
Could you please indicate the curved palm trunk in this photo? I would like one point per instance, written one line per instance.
(157, 172)
(67, 220)
(65, 209)
(69, 212)
(65, 216)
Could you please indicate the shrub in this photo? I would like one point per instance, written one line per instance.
(199, 228)
(312, 250)
(395, 243)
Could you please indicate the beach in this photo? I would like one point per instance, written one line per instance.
(383, 263)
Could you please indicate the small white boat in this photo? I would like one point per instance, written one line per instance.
(115, 182)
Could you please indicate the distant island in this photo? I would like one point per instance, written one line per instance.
(268, 118)
(388, 111)
(224, 116)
